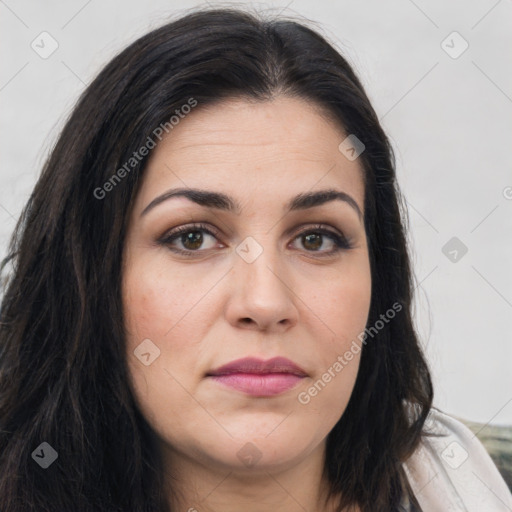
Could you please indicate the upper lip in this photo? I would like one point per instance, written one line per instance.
(259, 366)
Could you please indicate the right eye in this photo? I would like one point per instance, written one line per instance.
(191, 237)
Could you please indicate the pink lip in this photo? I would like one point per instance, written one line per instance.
(259, 378)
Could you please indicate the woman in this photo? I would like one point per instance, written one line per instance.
(210, 306)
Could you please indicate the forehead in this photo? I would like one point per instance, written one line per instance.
(279, 145)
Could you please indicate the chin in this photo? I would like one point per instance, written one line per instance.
(260, 452)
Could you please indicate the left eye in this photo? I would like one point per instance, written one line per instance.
(312, 240)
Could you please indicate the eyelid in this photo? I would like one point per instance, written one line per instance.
(323, 228)
(185, 228)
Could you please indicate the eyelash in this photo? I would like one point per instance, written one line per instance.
(340, 242)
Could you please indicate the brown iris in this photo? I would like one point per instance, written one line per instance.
(314, 239)
(192, 240)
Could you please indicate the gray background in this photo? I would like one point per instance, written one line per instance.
(449, 119)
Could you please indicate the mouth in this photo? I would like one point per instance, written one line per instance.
(257, 377)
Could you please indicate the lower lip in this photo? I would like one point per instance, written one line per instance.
(267, 384)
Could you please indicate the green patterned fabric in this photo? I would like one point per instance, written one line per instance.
(497, 440)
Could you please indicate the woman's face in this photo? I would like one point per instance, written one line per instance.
(266, 274)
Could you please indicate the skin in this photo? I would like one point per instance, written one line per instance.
(211, 307)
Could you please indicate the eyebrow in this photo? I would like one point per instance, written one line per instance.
(222, 201)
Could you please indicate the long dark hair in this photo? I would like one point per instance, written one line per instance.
(63, 373)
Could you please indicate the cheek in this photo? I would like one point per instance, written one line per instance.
(160, 304)
(344, 316)
(172, 310)
(155, 308)
(343, 306)
(150, 303)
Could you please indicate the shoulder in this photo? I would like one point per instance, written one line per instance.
(451, 470)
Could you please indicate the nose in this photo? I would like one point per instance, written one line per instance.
(262, 295)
